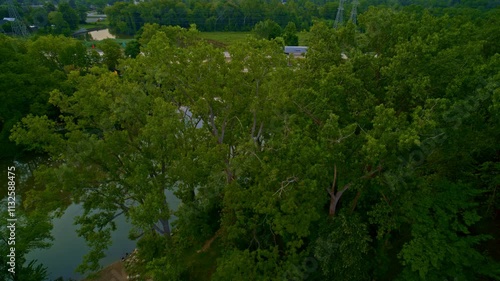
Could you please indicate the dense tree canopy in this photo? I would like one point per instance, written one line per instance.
(30, 69)
(127, 17)
(242, 15)
(375, 157)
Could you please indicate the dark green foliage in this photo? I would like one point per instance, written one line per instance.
(69, 15)
(290, 35)
(132, 49)
(112, 53)
(24, 85)
(58, 24)
(267, 29)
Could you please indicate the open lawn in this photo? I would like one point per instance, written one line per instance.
(303, 38)
(99, 25)
(122, 42)
(223, 39)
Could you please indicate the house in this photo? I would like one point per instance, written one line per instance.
(295, 50)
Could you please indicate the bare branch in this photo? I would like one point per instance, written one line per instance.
(286, 183)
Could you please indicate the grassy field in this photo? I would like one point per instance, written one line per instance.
(99, 25)
(303, 38)
(223, 39)
(122, 42)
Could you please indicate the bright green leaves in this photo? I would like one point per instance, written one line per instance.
(323, 48)
(176, 35)
(114, 149)
(59, 53)
(342, 93)
(162, 134)
(382, 139)
(37, 133)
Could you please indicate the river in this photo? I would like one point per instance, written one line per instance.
(67, 249)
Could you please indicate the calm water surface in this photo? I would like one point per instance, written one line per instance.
(67, 249)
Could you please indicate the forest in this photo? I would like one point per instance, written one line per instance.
(374, 157)
(242, 15)
(127, 17)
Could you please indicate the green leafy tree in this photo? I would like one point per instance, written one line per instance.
(59, 53)
(104, 141)
(380, 147)
(267, 29)
(133, 49)
(290, 35)
(60, 25)
(82, 13)
(21, 70)
(69, 15)
(112, 52)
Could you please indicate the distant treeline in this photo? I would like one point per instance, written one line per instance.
(241, 15)
(127, 17)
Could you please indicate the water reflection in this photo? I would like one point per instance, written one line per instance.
(68, 249)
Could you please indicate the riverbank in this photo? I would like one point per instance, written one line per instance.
(113, 272)
(117, 270)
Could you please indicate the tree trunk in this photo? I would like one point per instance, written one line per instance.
(335, 197)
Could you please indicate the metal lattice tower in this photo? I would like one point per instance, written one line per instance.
(354, 11)
(17, 25)
(339, 19)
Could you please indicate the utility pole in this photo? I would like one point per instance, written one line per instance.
(354, 11)
(17, 25)
(339, 19)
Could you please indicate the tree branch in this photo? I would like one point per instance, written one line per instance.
(316, 120)
(335, 197)
(215, 132)
(223, 130)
